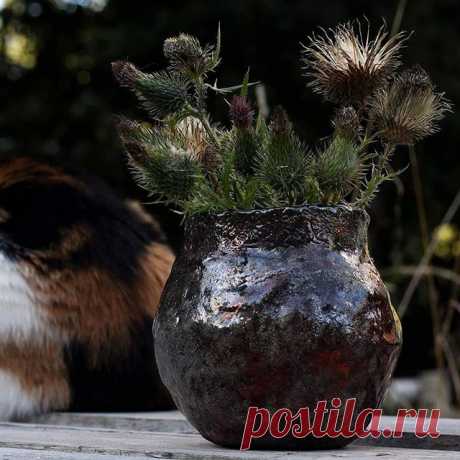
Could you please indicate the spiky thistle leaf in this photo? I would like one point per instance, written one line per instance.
(372, 185)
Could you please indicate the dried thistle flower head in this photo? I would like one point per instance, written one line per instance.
(241, 113)
(408, 109)
(346, 66)
(346, 123)
(185, 54)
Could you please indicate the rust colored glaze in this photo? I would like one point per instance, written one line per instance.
(278, 308)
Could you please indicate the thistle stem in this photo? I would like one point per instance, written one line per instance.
(207, 126)
(200, 112)
(203, 117)
(384, 159)
(425, 261)
(398, 17)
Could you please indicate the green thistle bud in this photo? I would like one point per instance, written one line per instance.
(339, 169)
(175, 175)
(167, 172)
(186, 55)
(283, 161)
(246, 147)
(181, 48)
(162, 93)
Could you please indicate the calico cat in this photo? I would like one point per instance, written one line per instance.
(81, 273)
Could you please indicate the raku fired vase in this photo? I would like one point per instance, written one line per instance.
(274, 308)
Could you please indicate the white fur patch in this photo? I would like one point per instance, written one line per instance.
(20, 318)
(15, 402)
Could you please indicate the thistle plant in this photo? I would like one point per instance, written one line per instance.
(182, 158)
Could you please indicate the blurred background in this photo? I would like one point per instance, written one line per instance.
(58, 99)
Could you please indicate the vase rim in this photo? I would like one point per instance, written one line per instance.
(292, 208)
(341, 225)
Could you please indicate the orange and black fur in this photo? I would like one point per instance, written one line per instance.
(81, 273)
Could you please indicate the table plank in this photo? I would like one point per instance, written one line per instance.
(449, 439)
(175, 422)
(23, 454)
(51, 440)
(161, 422)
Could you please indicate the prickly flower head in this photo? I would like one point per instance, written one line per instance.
(408, 109)
(126, 73)
(160, 93)
(346, 122)
(241, 112)
(192, 136)
(414, 79)
(185, 54)
(346, 66)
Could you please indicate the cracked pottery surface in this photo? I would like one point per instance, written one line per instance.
(274, 308)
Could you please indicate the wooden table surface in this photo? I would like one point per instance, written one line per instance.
(167, 435)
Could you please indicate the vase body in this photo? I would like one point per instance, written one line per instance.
(275, 308)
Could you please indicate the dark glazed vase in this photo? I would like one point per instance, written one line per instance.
(276, 308)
